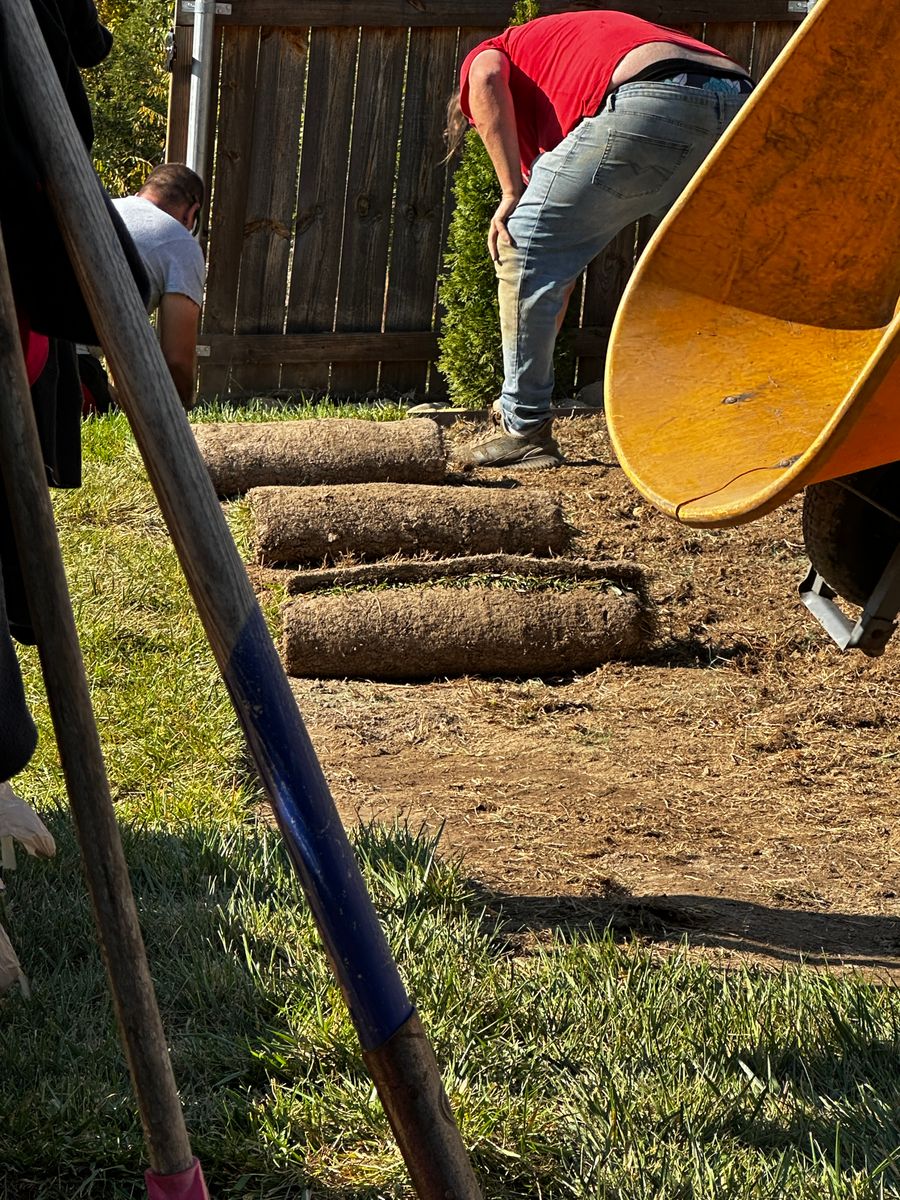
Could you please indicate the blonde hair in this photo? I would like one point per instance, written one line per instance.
(457, 126)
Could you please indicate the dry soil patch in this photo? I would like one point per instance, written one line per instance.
(737, 787)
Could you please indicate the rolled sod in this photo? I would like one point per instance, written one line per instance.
(413, 633)
(377, 520)
(245, 455)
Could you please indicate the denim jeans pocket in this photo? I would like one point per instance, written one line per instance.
(635, 165)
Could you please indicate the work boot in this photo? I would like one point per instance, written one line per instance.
(500, 448)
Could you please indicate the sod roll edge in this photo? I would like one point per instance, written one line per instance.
(377, 520)
(243, 455)
(435, 632)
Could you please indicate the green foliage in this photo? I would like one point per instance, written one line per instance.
(525, 10)
(470, 352)
(129, 93)
(471, 358)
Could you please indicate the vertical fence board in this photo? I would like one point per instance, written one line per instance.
(604, 282)
(771, 38)
(230, 183)
(179, 95)
(733, 39)
(269, 225)
(370, 187)
(324, 156)
(209, 151)
(418, 208)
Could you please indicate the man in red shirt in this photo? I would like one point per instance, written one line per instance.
(591, 120)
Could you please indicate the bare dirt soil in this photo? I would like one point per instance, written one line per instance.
(737, 787)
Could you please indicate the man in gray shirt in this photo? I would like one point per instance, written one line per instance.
(161, 219)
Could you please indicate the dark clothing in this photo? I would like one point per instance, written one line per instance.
(44, 283)
(49, 299)
(57, 400)
(89, 41)
(18, 736)
(674, 66)
(96, 395)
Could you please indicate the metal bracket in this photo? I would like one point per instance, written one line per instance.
(171, 51)
(877, 622)
(794, 6)
(224, 10)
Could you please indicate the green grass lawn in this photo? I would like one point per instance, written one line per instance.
(583, 1069)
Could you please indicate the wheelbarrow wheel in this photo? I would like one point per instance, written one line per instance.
(849, 541)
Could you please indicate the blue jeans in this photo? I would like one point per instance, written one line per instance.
(630, 161)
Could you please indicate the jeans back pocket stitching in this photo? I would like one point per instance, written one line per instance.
(684, 151)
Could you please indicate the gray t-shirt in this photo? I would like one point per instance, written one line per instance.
(173, 260)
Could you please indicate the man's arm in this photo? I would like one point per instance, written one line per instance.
(491, 106)
(178, 321)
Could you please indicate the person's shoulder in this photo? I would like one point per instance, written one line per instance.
(145, 217)
(181, 237)
(491, 48)
(488, 45)
(183, 251)
(190, 250)
(138, 206)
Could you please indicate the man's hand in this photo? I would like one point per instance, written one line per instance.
(498, 234)
(178, 321)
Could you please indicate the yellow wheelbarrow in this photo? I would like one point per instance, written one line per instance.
(757, 348)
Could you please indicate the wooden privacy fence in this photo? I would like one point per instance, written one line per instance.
(329, 199)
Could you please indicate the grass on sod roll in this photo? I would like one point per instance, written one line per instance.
(274, 409)
(496, 581)
(582, 1068)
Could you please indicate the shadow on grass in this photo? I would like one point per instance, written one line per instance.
(780, 935)
(843, 1097)
(267, 1061)
(829, 1098)
(276, 1096)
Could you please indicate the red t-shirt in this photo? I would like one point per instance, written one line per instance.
(561, 67)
